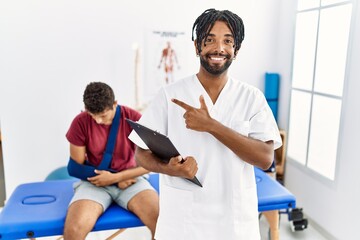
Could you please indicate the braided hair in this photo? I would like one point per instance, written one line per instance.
(205, 22)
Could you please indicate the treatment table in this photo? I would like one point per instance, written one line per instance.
(38, 209)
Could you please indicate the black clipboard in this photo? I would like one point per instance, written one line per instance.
(159, 144)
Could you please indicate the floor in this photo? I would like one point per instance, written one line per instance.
(142, 233)
(286, 232)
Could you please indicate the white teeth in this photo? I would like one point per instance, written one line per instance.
(217, 59)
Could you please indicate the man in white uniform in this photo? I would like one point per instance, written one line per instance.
(222, 128)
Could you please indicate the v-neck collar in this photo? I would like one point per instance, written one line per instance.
(210, 105)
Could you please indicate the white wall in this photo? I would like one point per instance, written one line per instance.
(50, 50)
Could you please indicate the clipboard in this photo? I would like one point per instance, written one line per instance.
(159, 144)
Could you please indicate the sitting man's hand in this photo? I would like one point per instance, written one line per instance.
(126, 183)
(102, 179)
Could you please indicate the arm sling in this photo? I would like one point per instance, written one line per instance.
(84, 171)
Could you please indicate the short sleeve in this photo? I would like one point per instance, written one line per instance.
(76, 133)
(262, 124)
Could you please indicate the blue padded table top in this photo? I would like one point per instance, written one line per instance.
(39, 209)
(271, 194)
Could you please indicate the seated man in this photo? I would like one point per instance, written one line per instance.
(122, 183)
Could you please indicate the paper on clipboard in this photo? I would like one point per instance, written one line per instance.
(158, 143)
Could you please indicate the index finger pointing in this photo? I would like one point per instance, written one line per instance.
(181, 104)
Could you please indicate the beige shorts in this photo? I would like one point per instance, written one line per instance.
(106, 195)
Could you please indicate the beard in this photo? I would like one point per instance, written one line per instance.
(216, 69)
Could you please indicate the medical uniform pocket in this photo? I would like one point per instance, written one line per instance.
(179, 183)
(242, 127)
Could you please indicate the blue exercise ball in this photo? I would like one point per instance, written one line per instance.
(59, 174)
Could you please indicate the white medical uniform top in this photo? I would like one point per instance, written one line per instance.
(226, 207)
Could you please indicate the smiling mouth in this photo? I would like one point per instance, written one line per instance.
(218, 58)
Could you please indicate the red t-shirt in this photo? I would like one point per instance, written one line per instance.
(84, 131)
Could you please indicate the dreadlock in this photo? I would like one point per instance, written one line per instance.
(205, 22)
